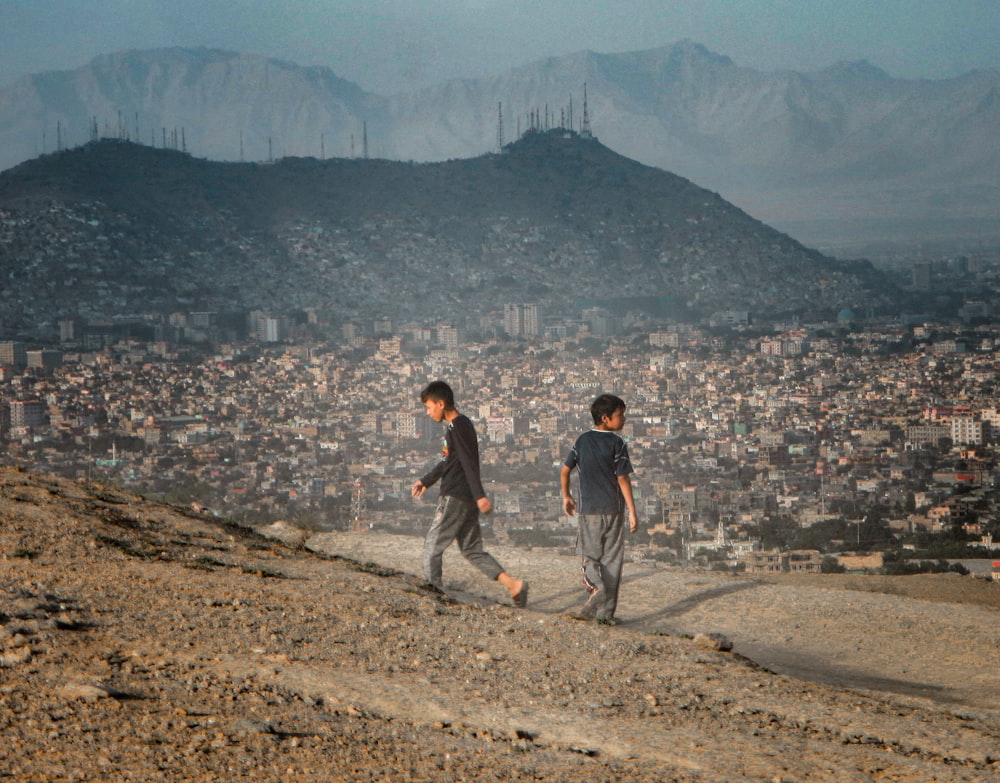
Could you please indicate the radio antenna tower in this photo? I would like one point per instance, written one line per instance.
(499, 127)
(585, 124)
(358, 506)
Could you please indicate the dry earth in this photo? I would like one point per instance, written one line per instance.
(143, 642)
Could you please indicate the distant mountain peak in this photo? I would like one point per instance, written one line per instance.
(857, 69)
(693, 51)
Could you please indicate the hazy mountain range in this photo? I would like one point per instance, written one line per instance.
(837, 157)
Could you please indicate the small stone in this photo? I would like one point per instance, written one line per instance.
(15, 657)
(714, 641)
(83, 692)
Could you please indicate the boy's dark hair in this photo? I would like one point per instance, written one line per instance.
(438, 390)
(606, 405)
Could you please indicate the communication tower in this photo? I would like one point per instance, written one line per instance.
(358, 506)
(499, 127)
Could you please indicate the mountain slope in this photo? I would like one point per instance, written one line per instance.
(140, 641)
(557, 219)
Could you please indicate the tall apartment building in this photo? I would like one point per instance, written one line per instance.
(45, 359)
(447, 335)
(967, 431)
(522, 320)
(390, 346)
(601, 322)
(69, 329)
(13, 354)
(28, 413)
(532, 320)
(269, 328)
(407, 424)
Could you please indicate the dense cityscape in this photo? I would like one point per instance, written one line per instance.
(839, 445)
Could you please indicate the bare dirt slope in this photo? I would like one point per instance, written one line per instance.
(140, 642)
(934, 635)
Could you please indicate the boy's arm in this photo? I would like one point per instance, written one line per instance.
(420, 485)
(569, 505)
(625, 483)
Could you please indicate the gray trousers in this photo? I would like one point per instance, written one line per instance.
(456, 520)
(600, 542)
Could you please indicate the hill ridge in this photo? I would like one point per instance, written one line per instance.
(556, 219)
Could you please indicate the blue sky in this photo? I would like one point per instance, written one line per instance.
(397, 45)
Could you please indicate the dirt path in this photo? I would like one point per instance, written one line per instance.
(868, 641)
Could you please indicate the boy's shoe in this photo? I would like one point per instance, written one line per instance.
(521, 599)
(594, 602)
(607, 621)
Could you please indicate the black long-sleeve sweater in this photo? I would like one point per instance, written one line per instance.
(459, 470)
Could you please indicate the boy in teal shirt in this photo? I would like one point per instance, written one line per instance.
(605, 495)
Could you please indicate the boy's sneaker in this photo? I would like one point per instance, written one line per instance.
(607, 621)
(594, 602)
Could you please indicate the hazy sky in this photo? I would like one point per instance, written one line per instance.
(395, 45)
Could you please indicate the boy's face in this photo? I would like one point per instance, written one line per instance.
(615, 421)
(435, 409)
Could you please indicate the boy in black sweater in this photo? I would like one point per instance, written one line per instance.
(462, 496)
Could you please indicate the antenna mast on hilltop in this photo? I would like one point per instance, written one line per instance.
(364, 140)
(499, 127)
(585, 124)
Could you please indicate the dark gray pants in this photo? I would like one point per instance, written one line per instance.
(456, 520)
(600, 542)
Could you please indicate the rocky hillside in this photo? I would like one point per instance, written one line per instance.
(116, 228)
(140, 641)
(847, 151)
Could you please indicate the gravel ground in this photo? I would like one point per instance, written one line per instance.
(141, 642)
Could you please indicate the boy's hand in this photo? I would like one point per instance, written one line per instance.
(485, 507)
(569, 505)
(633, 523)
(418, 489)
